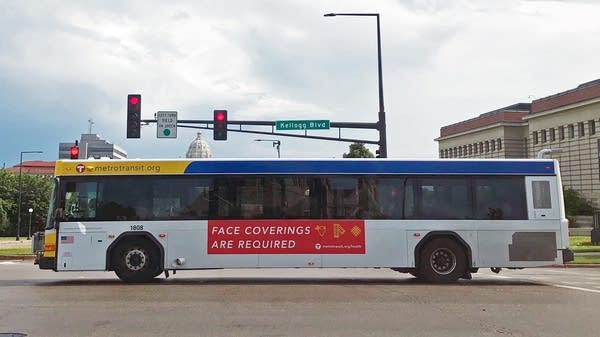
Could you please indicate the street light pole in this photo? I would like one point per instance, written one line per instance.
(19, 208)
(381, 123)
(276, 144)
(30, 212)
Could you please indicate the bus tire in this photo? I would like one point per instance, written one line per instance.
(442, 260)
(136, 260)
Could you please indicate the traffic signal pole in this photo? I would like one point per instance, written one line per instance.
(193, 124)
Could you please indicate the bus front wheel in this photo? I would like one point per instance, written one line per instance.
(136, 260)
(442, 260)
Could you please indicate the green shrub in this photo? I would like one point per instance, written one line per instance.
(575, 204)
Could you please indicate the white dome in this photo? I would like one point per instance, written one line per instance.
(199, 148)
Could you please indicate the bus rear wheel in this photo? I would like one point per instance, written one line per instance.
(442, 260)
(136, 261)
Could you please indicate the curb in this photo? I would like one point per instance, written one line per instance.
(567, 265)
(577, 265)
(17, 257)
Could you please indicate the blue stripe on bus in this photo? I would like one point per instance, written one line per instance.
(374, 167)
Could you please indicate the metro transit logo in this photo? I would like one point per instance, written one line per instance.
(80, 168)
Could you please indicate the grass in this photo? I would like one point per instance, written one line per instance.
(7, 238)
(9, 246)
(590, 259)
(583, 244)
(15, 251)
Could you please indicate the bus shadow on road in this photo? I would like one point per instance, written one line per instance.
(285, 281)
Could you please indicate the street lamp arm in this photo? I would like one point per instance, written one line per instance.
(351, 14)
(381, 124)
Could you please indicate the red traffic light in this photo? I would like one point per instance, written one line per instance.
(133, 100)
(134, 112)
(74, 152)
(220, 125)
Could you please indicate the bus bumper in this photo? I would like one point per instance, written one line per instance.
(47, 263)
(568, 255)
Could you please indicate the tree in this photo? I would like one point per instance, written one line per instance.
(358, 150)
(4, 224)
(35, 193)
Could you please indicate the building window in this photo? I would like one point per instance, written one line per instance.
(571, 131)
(487, 146)
(499, 141)
(470, 149)
(465, 150)
(475, 148)
(480, 147)
(535, 137)
(455, 152)
(581, 129)
(592, 126)
(544, 139)
(441, 153)
(493, 142)
(552, 135)
(561, 132)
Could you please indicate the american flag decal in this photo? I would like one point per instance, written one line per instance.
(67, 239)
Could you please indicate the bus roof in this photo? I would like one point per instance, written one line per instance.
(306, 166)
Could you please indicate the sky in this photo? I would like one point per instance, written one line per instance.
(63, 63)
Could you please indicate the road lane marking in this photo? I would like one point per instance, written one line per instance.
(575, 288)
(548, 283)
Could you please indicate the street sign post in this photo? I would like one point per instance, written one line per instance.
(302, 125)
(166, 124)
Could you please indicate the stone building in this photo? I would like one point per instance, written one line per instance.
(198, 148)
(92, 146)
(566, 124)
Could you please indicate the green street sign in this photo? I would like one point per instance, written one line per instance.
(302, 125)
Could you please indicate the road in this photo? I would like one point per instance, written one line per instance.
(299, 302)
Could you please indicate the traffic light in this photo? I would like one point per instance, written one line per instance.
(134, 115)
(74, 151)
(220, 125)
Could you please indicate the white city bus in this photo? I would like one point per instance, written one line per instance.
(439, 220)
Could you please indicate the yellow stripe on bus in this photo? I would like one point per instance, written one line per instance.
(50, 243)
(118, 167)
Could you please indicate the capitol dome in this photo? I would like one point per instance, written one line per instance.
(199, 148)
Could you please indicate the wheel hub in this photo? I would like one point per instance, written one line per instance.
(443, 261)
(135, 259)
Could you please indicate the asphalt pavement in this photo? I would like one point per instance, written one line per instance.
(299, 302)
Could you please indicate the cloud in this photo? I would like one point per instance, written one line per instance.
(443, 61)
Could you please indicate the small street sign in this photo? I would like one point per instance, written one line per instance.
(302, 125)
(166, 124)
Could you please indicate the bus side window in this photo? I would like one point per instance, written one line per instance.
(499, 198)
(410, 207)
(541, 194)
(390, 198)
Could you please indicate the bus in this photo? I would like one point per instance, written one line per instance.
(440, 220)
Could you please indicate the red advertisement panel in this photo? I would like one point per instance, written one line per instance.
(286, 237)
